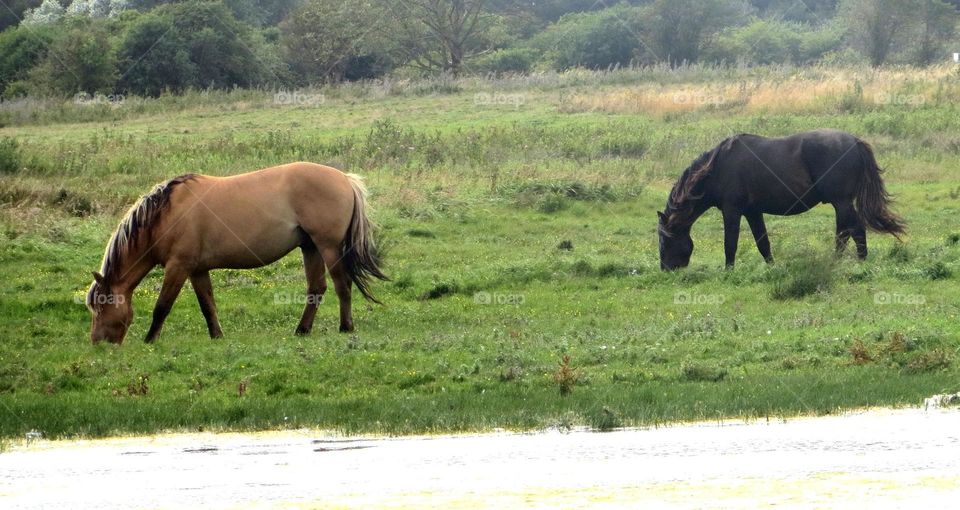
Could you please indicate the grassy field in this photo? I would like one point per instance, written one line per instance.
(520, 219)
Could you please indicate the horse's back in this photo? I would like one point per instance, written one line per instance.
(251, 219)
(791, 174)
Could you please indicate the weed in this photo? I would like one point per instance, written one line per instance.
(929, 361)
(9, 155)
(804, 275)
(702, 372)
(138, 385)
(938, 271)
(566, 376)
(606, 420)
(860, 353)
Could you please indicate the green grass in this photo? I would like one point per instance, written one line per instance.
(517, 236)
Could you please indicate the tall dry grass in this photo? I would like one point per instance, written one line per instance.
(808, 90)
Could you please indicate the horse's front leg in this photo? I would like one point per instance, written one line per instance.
(731, 234)
(173, 280)
(759, 229)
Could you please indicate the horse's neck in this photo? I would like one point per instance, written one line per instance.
(697, 209)
(130, 271)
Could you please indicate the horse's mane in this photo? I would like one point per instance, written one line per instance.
(138, 219)
(682, 196)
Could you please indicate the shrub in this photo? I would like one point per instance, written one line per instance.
(79, 60)
(192, 45)
(938, 271)
(700, 372)
(595, 40)
(9, 156)
(20, 50)
(804, 275)
(508, 60)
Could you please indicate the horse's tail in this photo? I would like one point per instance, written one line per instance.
(873, 201)
(359, 253)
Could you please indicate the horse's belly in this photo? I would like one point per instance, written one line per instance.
(250, 247)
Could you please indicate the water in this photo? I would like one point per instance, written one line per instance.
(903, 458)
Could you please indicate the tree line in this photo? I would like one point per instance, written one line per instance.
(150, 47)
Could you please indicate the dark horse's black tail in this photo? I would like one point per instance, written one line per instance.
(359, 250)
(872, 198)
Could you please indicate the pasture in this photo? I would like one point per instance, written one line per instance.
(519, 216)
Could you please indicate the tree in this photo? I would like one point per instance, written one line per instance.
(595, 40)
(21, 49)
(937, 24)
(679, 29)
(330, 40)
(79, 60)
(441, 34)
(48, 13)
(15, 11)
(191, 45)
(878, 26)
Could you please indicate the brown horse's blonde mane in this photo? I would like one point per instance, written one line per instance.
(138, 219)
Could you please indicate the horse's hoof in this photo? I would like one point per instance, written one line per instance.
(302, 332)
(346, 328)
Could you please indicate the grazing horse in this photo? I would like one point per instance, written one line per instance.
(749, 175)
(194, 223)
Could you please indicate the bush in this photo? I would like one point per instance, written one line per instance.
(509, 60)
(699, 372)
(192, 45)
(78, 60)
(774, 42)
(9, 156)
(804, 275)
(20, 50)
(595, 40)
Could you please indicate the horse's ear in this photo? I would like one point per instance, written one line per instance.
(98, 277)
(663, 217)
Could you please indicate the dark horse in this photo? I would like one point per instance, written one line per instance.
(749, 175)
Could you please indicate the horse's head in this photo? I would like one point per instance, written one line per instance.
(676, 245)
(111, 310)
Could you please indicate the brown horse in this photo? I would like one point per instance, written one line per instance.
(194, 223)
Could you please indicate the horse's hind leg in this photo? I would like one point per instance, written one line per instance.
(759, 229)
(203, 287)
(860, 237)
(342, 285)
(173, 279)
(316, 286)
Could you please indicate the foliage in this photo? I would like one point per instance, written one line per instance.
(9, 155)
(595, 40)
(771, 42)
(21, 49)
(80, 60)
(330, 41)
(195, 44)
